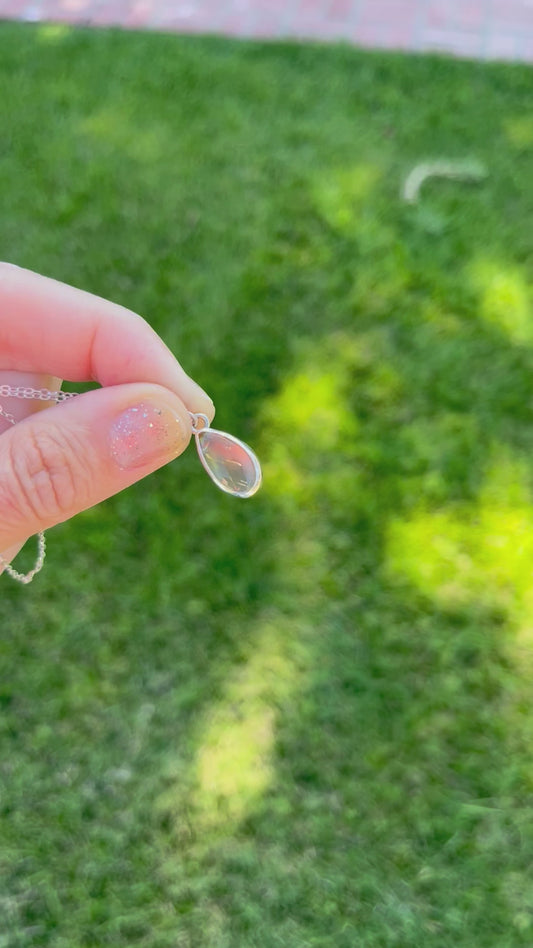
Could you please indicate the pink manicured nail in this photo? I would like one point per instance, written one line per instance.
(146, 434)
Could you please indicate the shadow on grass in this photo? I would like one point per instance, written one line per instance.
(302, 720)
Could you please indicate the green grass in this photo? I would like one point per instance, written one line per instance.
(303, 720)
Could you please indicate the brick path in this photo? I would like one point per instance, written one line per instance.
(483, 29)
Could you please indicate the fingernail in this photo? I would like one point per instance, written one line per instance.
(146, 434)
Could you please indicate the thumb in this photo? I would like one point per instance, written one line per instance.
(67, 458)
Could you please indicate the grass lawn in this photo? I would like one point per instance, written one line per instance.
(304, 719)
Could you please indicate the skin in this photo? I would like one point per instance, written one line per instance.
(57, 461)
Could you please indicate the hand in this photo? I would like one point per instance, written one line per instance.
(70, 456)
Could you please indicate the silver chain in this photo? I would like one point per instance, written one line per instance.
(43, 395)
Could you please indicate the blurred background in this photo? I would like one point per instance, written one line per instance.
(303, 719)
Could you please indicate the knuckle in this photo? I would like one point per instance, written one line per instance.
(50, 479)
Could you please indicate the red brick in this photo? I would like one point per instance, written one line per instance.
(387, 11)
(316, 29)
(195, 26)
(74, 8)
(470, 15)
(12, 9)
(436, 15)
(262, 8)
(452, 41)
(455, 14)
(185, 18)
(109, 14)
(367, 34)
(236, 25)
(265, 27)
(191, 24)
(501, 46)
(494, 28)
(511, 15)
(311, 11)
(526, 48)
(395, 42)
(340, 10)
(139, 14)
(335, 30)
(505, 23)
(395, 36)
(55, 11)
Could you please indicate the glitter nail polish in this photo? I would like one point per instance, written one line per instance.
(145, 434)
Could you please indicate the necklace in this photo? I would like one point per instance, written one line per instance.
(230, 463)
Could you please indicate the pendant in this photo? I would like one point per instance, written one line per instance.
(230, 463)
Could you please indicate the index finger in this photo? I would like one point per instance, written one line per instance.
(51, 328)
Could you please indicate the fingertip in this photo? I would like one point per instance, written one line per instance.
(200, 402)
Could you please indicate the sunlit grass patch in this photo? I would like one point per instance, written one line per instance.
(477, 552)
(304, 719)
(505, 298)
(342, 195)
(234, 764)
(519, 130)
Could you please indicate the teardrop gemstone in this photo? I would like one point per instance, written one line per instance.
(230, 463)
